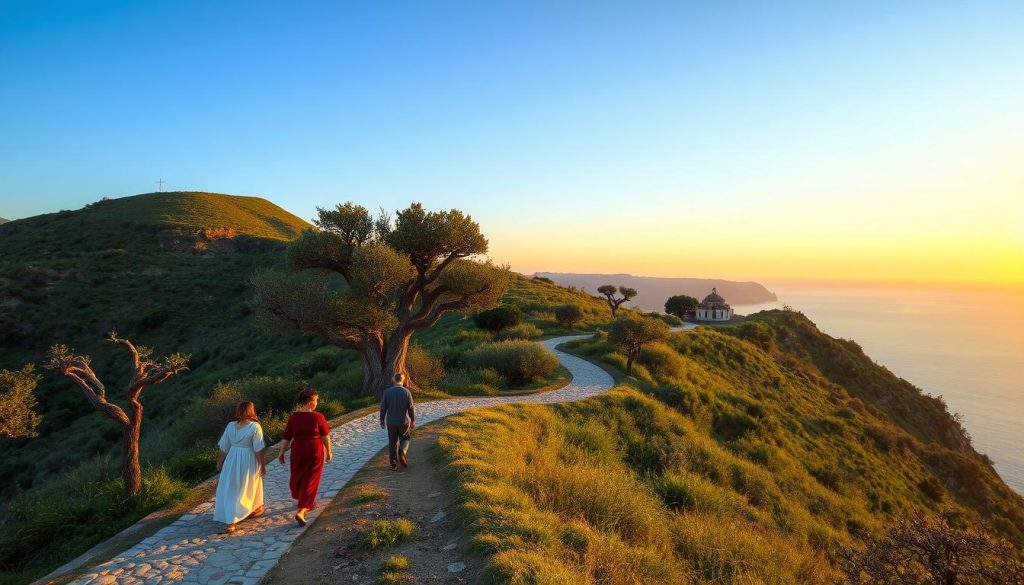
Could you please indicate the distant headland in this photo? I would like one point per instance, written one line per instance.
(652, 290)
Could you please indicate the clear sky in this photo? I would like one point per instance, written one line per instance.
(760, 140)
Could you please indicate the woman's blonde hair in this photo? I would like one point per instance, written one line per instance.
(245, 411)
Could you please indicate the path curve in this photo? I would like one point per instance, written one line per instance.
(190, 550)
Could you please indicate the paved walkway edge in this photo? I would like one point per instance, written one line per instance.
(190, 550)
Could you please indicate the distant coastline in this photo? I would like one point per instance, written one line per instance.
(652, 291)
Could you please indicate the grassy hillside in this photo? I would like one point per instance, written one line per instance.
(736, 455)
(70, 277)
(252, 216)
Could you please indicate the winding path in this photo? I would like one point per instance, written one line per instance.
(190, 550)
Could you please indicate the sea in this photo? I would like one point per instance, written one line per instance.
(964, 343)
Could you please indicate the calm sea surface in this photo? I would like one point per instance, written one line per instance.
(963, 343)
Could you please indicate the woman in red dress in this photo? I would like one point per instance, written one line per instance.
(308, 436)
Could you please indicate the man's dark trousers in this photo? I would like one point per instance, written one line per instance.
(395, 433)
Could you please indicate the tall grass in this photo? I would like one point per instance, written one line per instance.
(732, 459)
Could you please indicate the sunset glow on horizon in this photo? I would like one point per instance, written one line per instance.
(861, 142)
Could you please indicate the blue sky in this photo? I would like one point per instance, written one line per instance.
(605, 123)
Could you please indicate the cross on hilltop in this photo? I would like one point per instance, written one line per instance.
(161, 183)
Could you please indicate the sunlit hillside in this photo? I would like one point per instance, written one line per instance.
(743, 455)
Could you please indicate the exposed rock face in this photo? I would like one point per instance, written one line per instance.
(211, 241)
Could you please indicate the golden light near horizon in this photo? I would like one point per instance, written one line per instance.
(953, 238)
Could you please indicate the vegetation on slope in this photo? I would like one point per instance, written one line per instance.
(71, 277)
(253, 216)
(730, 459)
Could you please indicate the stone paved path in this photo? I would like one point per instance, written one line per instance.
(190, 550)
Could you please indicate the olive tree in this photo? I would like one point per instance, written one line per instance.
(146, 371)
(17, 417)
(614, 302)
(498, 318)
(681, 306)
(367, 284)
(568, 315)
(631, 332)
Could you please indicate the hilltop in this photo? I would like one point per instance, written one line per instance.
(251, 216)
(652, 291)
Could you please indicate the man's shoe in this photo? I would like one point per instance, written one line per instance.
(394, 466)
(403, 459)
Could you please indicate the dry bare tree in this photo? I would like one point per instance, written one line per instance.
(927, 550)
(146, 371)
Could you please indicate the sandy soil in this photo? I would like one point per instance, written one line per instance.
(329, 551)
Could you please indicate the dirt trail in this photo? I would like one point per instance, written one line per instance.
(329, 551)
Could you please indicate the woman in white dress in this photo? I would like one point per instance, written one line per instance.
(242, 467)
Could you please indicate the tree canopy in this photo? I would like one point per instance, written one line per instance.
(681, 306)
(568, 315)
(498, 318)
(614, 302)
(368, 283)
(632, 332)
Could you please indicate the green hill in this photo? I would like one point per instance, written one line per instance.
(252, 216)
(741, 454)
(72, 276)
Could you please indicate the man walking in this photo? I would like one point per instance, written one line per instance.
(398, 415)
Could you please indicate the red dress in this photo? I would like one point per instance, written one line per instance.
(304, 430)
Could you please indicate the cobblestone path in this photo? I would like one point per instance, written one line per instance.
(190, 550)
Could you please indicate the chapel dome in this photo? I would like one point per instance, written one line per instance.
(713, 299)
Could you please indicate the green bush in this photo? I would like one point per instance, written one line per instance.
(568, 315)
(325, 359)
(521, 331)
(498, 318)
(670, 320)
(520, 362)
(387, 532)
(84, 506)
(484, 382)
(425, 369)
(194, 464)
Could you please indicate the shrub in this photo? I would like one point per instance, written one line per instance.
(395, 563)
(498, 318)
(83, 506)
(521, 331)
(661, 360)
(194, 464)
(519, 362)
(483, 382)
(425, 369)
(568, 315)
(760, 334)
(325, 359)
(387, 532)
(670, 320)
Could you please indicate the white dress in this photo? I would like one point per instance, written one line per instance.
(240, 487)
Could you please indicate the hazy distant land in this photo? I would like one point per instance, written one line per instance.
(652, 290)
